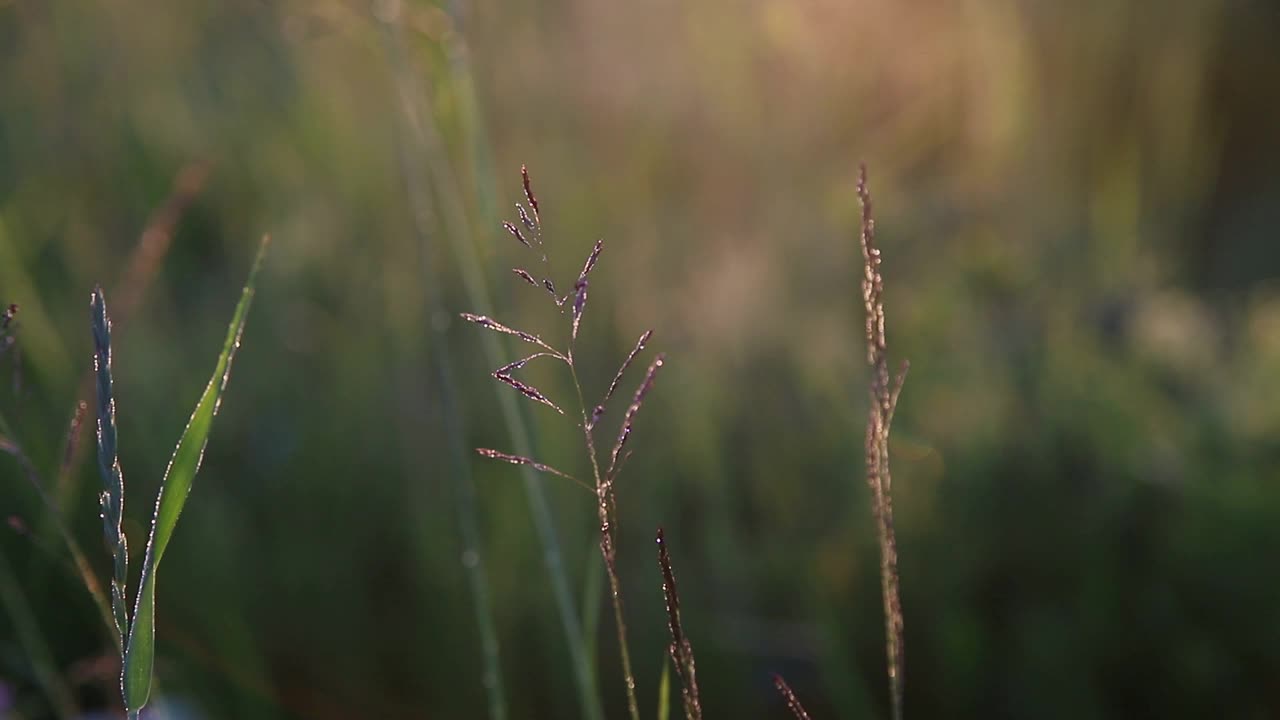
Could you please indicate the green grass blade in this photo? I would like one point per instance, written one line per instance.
(139, 656)
(112, 497)
(664, 690)
(423, 139)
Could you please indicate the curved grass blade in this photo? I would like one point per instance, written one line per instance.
(139, 658)
(112, 497)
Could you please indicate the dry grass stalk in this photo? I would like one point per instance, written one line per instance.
(793, 703)
(883, 400)
(680, 648)
(140, 270)
(606, 501)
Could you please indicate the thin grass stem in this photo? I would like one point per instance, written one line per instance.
(422, 138)
(608, 550)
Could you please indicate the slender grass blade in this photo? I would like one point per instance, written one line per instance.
(139, 656)
(664, 690)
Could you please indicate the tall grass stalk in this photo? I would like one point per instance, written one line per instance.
(883, 392)
(473, 554)
(140, 271)
(605, 476)
(424, 146)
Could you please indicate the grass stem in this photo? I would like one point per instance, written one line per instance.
(608, 550)
(422, 141)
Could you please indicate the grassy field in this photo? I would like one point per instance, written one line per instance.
(1078, 210)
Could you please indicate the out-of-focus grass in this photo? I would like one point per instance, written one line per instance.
(1079, 201)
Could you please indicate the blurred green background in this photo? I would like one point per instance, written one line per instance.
(1079, 209)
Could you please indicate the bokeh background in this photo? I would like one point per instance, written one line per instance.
(1079, 208)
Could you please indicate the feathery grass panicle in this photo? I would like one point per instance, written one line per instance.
(793, 703)
(883, 402)
(112, 496)
(680, 648)
(606, 501)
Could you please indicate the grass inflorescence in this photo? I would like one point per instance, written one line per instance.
(529, 235)
(111, 498)
(883, 393)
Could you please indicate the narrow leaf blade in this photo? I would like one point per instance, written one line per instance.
(139, 658)
(664, 690)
